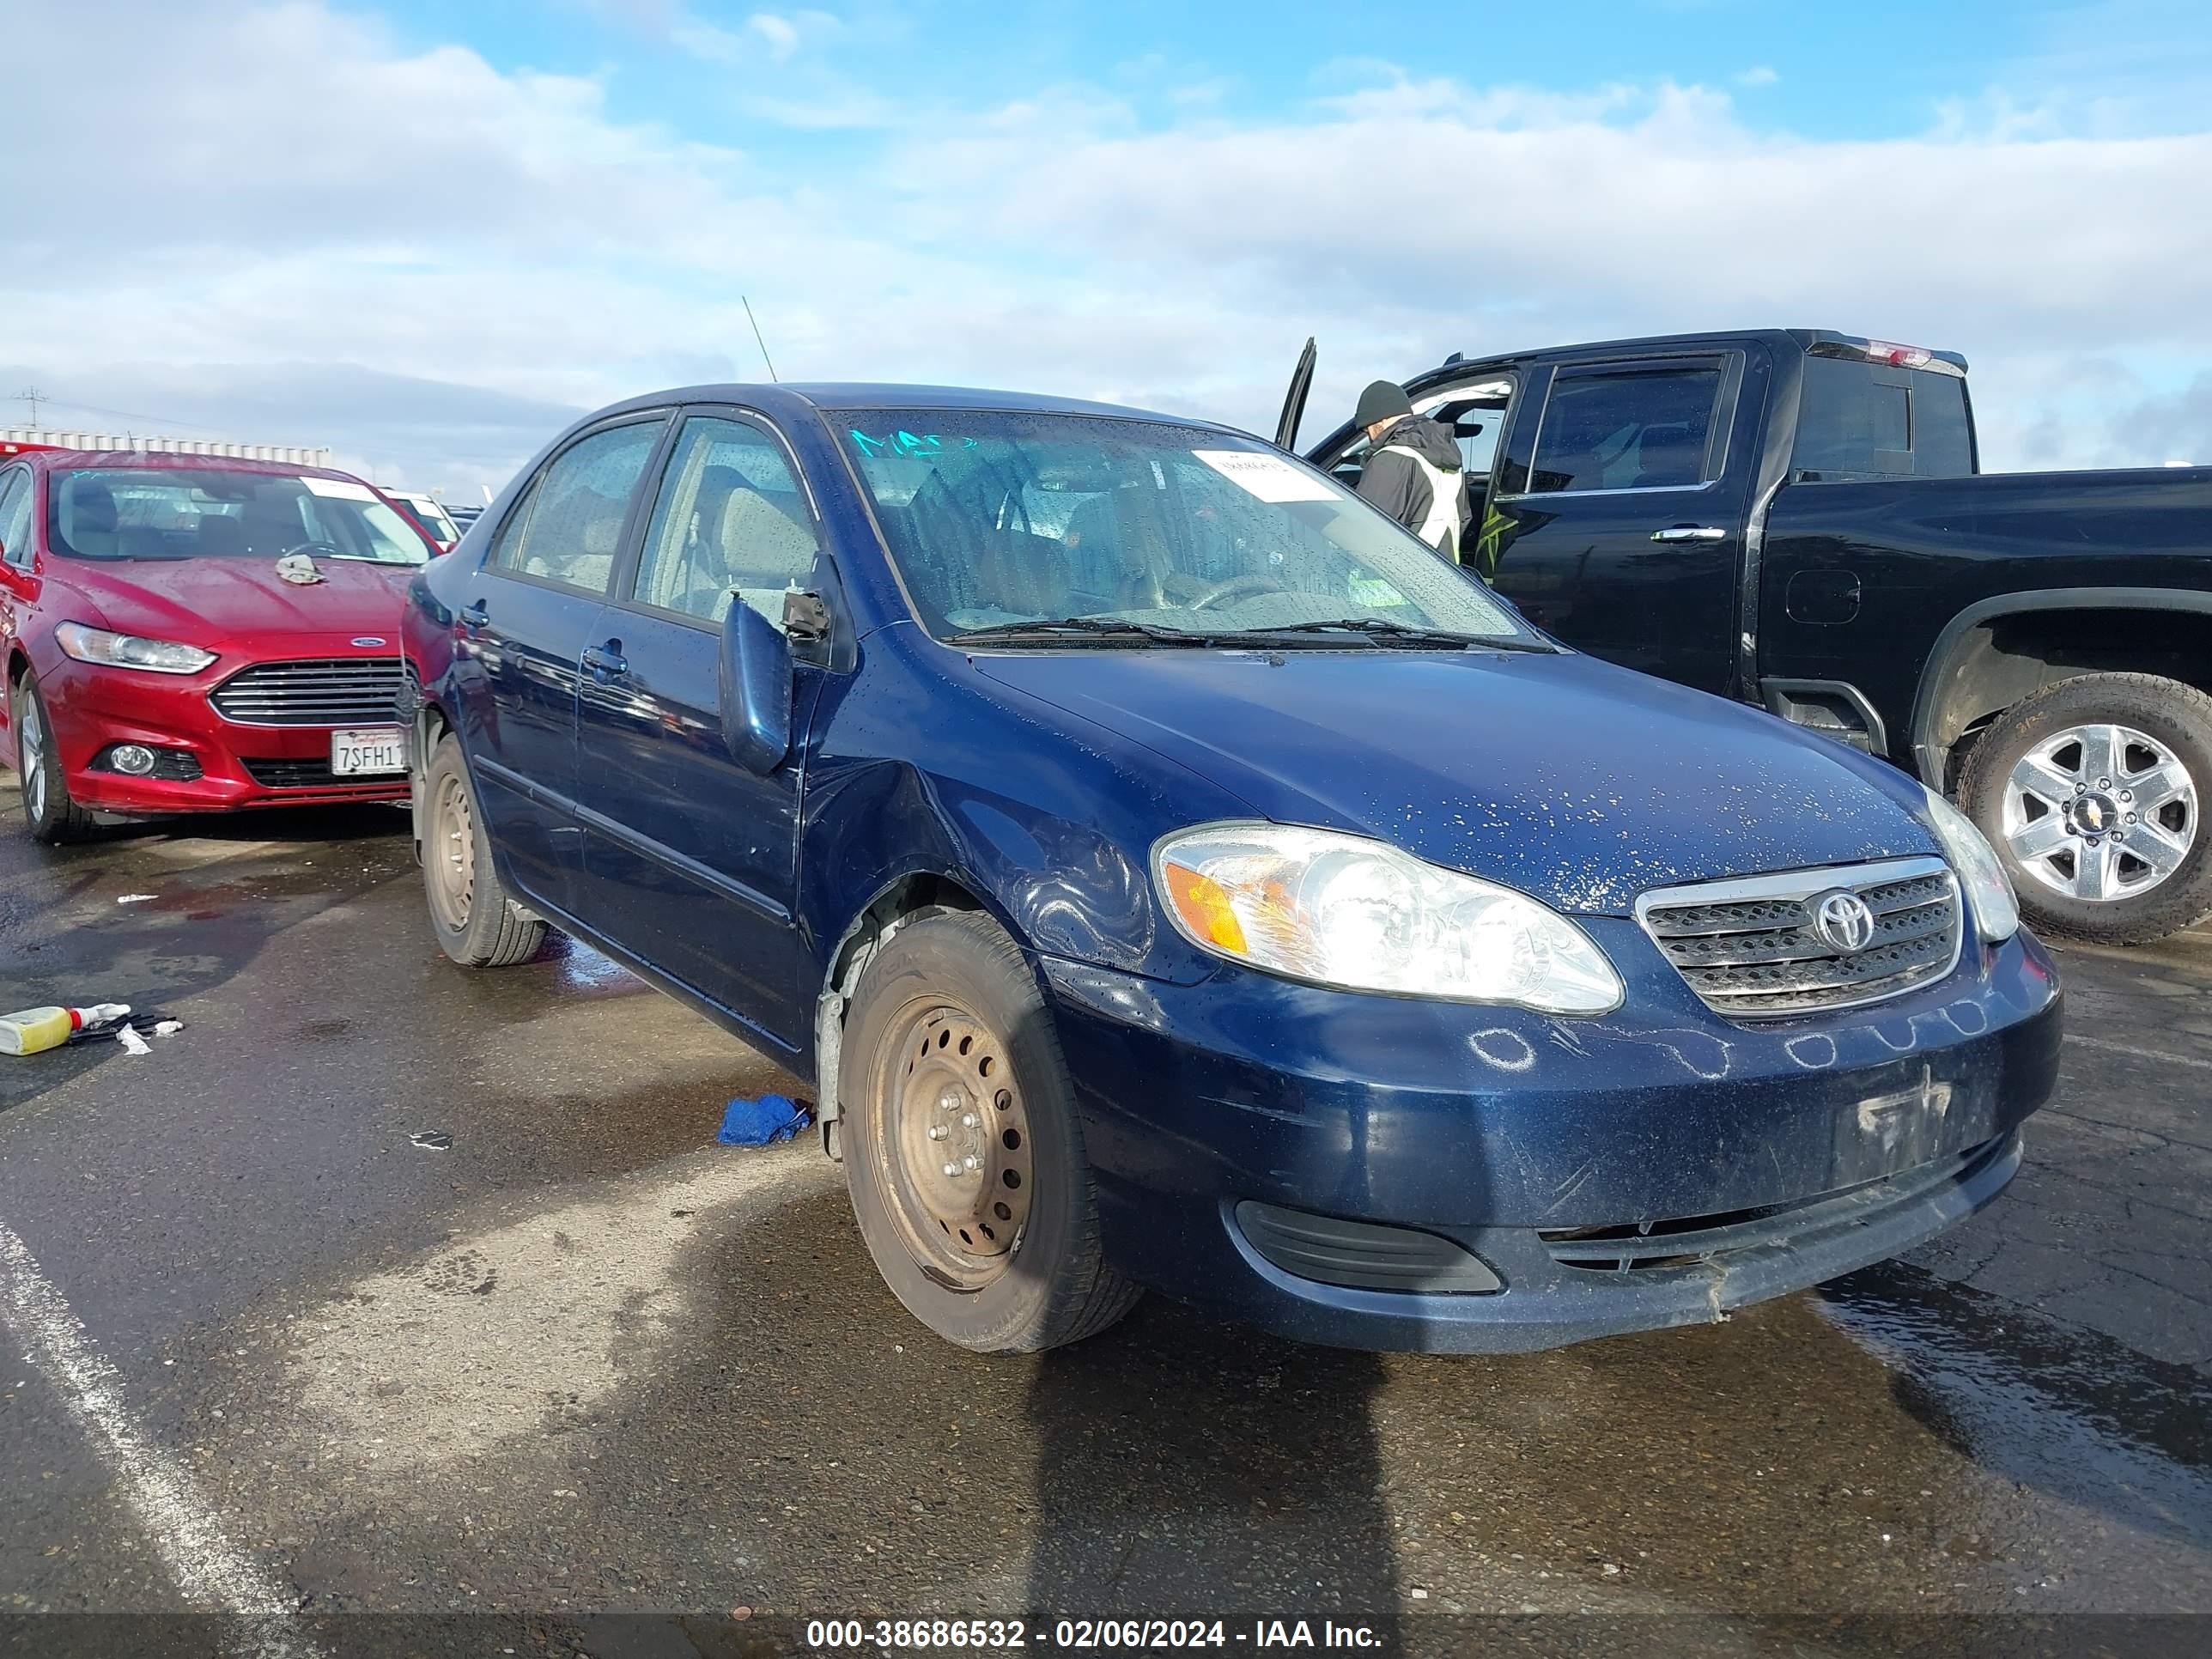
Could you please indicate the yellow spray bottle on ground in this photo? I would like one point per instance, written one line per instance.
(36, 1030)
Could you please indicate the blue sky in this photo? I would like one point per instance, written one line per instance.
(423, 233)
(1876, 69)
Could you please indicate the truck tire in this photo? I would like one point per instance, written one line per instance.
(48, 812)
(962, 1148)
(2093, 791)
(478, 924)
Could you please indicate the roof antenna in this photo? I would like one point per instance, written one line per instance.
(758, 341)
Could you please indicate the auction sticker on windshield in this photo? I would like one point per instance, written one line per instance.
(339, 489)
(363, 749)
(1270, 477)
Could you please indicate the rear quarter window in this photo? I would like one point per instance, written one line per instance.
(1862, 420)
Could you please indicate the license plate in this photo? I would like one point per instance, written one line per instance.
(368, 748)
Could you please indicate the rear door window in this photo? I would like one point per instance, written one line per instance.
(1629, 427)
(1862, 420)
(571, 528)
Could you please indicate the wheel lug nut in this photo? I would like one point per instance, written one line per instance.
(969, 1163)
(967, 1121)
(937, 1132)
(2131, 818)
(2080, 788)
(2104, 783)
(952, 1169)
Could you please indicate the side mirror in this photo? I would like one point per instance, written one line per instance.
(755, 673)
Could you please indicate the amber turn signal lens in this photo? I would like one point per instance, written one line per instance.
(1204, 906)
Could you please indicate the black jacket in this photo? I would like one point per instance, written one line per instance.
(1401, 489)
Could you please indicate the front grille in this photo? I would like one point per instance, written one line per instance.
(334, 691)
(1752, 950)
(292, 774)
(312, 775)
(1686, 1241)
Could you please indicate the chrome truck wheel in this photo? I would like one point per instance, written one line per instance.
(2093, 791)
(2100, 812)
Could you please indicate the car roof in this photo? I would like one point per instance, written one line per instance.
(1459, 363)
(824, 397)
(175, 461)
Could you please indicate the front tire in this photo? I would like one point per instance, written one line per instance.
(478, 924)
(2093, 791)
(962, 1148)
(49, 813)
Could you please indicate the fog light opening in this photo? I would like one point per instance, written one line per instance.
(133, 759)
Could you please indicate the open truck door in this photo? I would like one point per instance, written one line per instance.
(1294, 400)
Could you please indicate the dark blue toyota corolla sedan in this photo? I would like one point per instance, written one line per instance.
(1172, 874)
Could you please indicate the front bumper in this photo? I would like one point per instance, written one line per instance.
(92, 709)
(1781, 1155)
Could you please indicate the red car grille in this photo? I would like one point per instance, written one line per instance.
(334, 691)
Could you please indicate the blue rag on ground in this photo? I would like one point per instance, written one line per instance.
(757, 1122)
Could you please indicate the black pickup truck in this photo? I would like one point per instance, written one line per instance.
(1798, 519)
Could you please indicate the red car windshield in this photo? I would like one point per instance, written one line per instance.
(151, 513)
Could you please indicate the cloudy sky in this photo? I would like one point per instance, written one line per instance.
(424, 234)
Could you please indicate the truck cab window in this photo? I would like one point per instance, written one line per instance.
(1474, 414)
(1862, 420)
(1611, 429)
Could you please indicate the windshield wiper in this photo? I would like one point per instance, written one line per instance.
(1382, 628)
(1094, 627)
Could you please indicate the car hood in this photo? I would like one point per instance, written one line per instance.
(1566, 778)
(207, 601)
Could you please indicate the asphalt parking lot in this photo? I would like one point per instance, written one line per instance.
(584, 1366)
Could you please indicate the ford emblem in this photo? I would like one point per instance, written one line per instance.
(368, 640)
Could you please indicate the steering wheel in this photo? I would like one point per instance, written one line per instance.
(1207, 598)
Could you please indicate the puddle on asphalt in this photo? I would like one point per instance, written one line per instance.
(2066, 1411)
(581, 971)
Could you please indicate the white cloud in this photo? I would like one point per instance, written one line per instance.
(1759, 75)
(283, 197)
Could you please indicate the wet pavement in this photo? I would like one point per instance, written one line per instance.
(584, 1363)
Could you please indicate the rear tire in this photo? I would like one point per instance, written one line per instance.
(962, 1148)
(478, 924)
(49, 813)
(2093, 791)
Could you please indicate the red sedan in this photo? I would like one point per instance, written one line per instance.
(187, 632)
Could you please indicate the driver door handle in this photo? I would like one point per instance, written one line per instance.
(1690, 533)
(475, 616)
(606, 662)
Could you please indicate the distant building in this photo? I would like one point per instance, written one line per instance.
(14, 441)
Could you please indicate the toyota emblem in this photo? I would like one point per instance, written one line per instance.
(1843, 921)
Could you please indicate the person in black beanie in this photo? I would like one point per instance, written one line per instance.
(1413, 471)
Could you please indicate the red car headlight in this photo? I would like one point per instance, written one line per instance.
(97, 645)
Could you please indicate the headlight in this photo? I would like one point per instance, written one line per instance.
(1359, 915)
(1988, 890)
(127, 651)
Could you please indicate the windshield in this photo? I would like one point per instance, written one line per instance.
(997, 519)
(427, 511)
(153, 513)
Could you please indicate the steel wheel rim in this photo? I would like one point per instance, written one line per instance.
(2100, 812)
(954, 1153)
(32, 738)
(450, 857)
